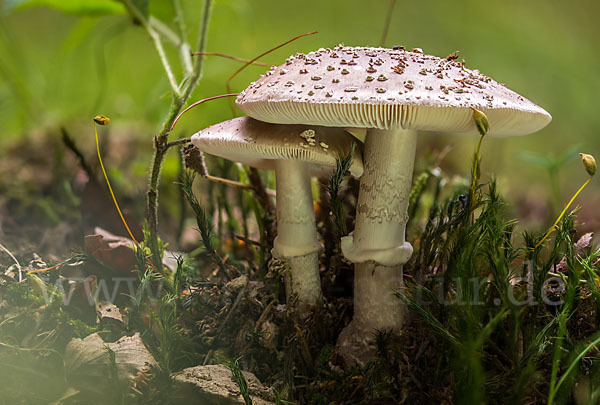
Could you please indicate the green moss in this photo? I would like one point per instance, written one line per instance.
(20, 295)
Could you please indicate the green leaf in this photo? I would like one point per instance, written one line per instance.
(535, 159)
(76, 7)
(569, 154)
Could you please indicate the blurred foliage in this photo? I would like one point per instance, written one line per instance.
(77, 7)
(60, 69)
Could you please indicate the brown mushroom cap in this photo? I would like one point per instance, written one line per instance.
(259, 144)
(387, 89)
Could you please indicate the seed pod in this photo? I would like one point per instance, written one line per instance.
(589, 163)
(101, 120)
(481, 121)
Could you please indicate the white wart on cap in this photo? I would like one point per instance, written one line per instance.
(381, 88)
(295, 152)
(260, 144)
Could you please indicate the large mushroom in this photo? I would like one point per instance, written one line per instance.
(295, 152)
(392, 93)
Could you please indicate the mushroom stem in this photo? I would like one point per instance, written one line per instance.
(375, 305)
(378, 246)
(296, 239)
(381, 212)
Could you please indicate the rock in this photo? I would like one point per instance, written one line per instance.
(89, 366)
(214, 384)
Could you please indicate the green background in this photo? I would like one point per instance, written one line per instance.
(58, 69)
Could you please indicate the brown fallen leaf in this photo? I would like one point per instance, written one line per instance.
(118, 255)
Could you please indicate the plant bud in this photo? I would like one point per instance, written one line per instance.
(481, 121)
(101, 120)
(194, 159)
(589, 163)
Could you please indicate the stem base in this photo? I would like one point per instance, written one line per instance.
(376, 308)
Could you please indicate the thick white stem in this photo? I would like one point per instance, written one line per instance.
(296, 239)
(381, 212)
(375, 305)
(378, 246)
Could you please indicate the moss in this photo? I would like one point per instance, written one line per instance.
(20, 295)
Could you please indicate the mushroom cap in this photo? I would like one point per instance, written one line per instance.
(383, 88)
(259, 144)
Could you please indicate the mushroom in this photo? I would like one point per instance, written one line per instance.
(392, 93)
(295, 152)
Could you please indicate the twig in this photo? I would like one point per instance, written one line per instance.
(224, 55)
(70, 144)
(258, 57)
(232, 309)
(194, 160)
(265, 202)
(250, 241)
(14, 260)
(198, 103)
(237, 184)
(208, 357)
(181, 141)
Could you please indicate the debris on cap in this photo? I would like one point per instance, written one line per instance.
(383, 88)
(260, 144)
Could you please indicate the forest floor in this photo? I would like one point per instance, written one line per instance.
(99, 325)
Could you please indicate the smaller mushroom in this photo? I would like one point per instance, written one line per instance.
(295, 152)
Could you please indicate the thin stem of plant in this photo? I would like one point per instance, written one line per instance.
(112, 194)
(237, 184)
(553, 227)
(475, 178)
(227, 83)
(114, 201)
(196, 104)
(161, 141)
(181, 141)
(200, 47)
(563, 213)
(157, 44)
(235, 58)
(388, 20)
(183, 46)
(46, 269)
(164, 30)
